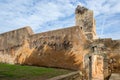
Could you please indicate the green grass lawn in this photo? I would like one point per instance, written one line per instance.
(18, 72)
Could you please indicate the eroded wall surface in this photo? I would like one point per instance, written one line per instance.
(62, 48)
(111, 48)
(11, 42)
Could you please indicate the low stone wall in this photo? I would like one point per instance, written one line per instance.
(71, 76)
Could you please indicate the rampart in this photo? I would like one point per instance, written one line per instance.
(14, 38)
(59, 48)
(63, 48)
(57, 37)
(10, 43)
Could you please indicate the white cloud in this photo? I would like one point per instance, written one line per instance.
(19, 13)
(54, 14)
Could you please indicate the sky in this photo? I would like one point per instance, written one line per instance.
(45, 15)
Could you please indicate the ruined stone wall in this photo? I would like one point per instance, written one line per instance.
(113, 46)
(112, 49)
(62, 48)
(116, 45)
(11, 41)
(115, 56)
(57, 37)
(14, 38)
(85, 20)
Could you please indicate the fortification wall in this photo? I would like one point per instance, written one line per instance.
(112, 49)
(57, 37)
(11, 41)
(62, 48)
(14, 38)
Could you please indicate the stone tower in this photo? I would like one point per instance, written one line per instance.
(85, 20)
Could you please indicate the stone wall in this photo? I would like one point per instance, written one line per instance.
(14, 38)
(98, 67)
(94, 66)
(85, 20)
(111, 48)
(63, 48)
(71, 76)
(11, 42)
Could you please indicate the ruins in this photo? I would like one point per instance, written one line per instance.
(75, 48)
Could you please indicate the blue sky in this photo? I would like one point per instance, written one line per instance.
(45, 15)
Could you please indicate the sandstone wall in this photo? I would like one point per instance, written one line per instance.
(115, 56)
(112, 49)
(10, 42)
(62, 48)
(57, 37)
(97, 67)
(14, 38)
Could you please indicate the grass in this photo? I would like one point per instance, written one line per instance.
(18, 72)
